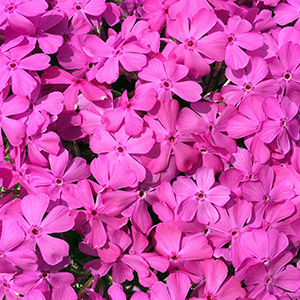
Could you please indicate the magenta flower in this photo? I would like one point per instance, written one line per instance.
(37, 230)
(216, 284)
(177, 247)
(15, 61)
(17, 12)
(126, 110)
(55, 75)
(167, 78)
(249, 81)
(178, 288)
(281, 123)
(239, 36)
(122, 147)
(198, 199)
(195, 48)
(172, 137)
(12, 253)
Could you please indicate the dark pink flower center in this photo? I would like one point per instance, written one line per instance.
(10, 8)
(12, 65)
(206, 231)
(79, 81)
(120, 149)
(234, 233)
(118, 52)
(58, 181)
(128, 105)
(34, 231)
(211, 127)
(248, 87)
(283, 122)
(265, 261)
(200, 196)
(78, 6)
(203, 151)
(287, 76)
(230, 39)
(172, 138)
(5, 285)
(142, 194)
(45, 275)
(166, 84)
(266, 198)
(94, 212)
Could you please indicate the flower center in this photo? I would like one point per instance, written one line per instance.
(287, 76)
(283, 122)
(248, 87)
(142, 194)
(206, 231)
(10, 8)
(266, 198)
(230, 39)
(171, 138)
(58, 181)
(265, 261)
(34, 231)
(12, 65)
(93, 212)
(200, 196)
(118, 52)
(120, 149)
(78, 6)
(45, 275)
(234, 233)
(166, 84)
(203, 151)
(78, 81)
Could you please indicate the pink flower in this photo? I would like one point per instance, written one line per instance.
(198, 199)
(58, 220)
(15, 61)
(172, 137)
(167, 78)
(195, 48)
(216, 284)
(281, 123)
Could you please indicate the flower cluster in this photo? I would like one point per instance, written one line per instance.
(149, 149)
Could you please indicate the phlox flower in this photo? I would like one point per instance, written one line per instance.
(123, 49)
(277, 278)
(45, 276)
(14, 62)
(81, 8)
(122, 263)
(216, 284)
(198, 199)
(249, 81)
(266, 192)
(16, 12)
(281, 123)
(157, 13)
(195, 49)
(172, 136)
(239, 36)
(56, 183)
(178, 285)
(287, 12)
(126, 110)
(173, 244)
(120, 146)
(168, 78)
(55, 75)
(48, 43)
(37, 229)
(12, 253)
